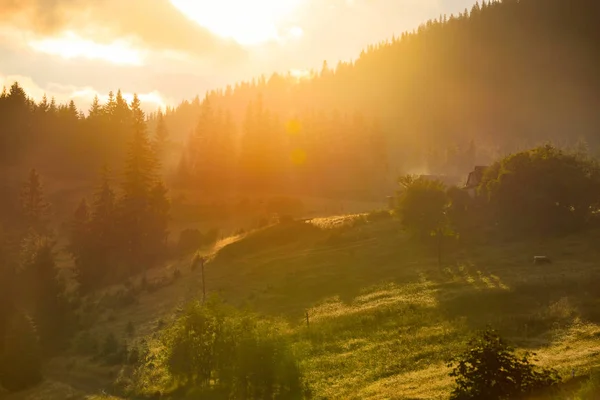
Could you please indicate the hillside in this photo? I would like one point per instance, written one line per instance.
(383, 316)
(507, 75)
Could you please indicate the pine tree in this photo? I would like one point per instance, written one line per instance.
(161, 138)
(34, 207)
(139, 179)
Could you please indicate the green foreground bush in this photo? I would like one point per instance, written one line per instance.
(222, 353)
(490, 370)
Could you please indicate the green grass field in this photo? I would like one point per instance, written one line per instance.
(383, 316)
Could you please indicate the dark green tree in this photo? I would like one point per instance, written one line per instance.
(544, 190)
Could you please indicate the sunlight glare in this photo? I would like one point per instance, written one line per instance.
(246, 22)
(70, 45)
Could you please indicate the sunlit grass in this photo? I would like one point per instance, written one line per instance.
(383, 316)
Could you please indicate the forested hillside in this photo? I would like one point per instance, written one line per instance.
(460, 90)
(506, 75)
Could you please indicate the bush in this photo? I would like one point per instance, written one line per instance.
(217, 350)
(490, 370)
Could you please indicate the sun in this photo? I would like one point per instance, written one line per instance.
(248, 22)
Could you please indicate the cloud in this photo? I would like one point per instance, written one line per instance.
(155, 24)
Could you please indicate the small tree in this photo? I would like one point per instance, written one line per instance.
(490, 370)
(423, 209)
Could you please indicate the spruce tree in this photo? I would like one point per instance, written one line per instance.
(34, 207)
(139, 179)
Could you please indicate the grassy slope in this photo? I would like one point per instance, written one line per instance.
(383, 315)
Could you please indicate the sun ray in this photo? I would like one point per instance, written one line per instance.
(246, 22)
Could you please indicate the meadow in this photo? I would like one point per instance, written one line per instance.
(383, 316)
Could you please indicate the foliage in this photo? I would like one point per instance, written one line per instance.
(20, 354)
(491, 370)
(216, 349)
(422, 206)
(543, 189)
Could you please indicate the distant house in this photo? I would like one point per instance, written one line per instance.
(474, 179)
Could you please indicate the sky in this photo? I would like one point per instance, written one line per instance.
(170, 50)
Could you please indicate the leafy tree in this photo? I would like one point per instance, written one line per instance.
(20, 355)
(490, 370)
(544, 189)
(423, 207)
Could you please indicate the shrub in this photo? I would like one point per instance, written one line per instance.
(491, 370)
(215, 349)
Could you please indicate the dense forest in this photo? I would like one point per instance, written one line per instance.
(459, 91)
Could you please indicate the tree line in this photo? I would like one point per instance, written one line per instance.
(507, 75)
(460, 90)
(122, 231)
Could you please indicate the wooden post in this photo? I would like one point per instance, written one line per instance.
(307, 321)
